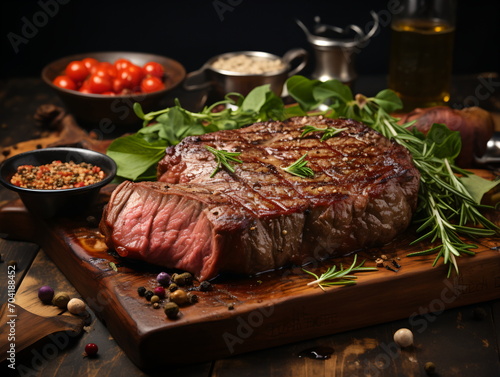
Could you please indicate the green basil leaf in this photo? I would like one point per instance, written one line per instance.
(293, 111)
(225, 124)
(417, 133)
(210, 127)
(273, 108)
(134, 156)
(388, 100)
(477, 186)
(448, 142)
(333, 89)
(153, 129)
(301, 90)
(256, 99)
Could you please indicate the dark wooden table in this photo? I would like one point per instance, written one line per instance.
(460, 342)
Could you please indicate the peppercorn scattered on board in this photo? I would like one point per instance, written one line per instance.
(245, 314)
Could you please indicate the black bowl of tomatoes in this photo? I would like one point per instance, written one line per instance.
(100, 88)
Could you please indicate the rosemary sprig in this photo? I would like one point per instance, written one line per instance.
(327, 132)
(299, 168)
(223, 159)
(447, 211)
(341, 277)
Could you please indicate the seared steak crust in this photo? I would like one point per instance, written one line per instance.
(260, 217)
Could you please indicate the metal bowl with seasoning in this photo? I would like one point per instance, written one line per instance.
(229, 72)
(48, 203)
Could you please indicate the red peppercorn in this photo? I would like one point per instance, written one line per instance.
(91, 349)
(160, 292)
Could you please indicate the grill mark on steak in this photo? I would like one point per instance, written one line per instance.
(255, 189)
(260, 217)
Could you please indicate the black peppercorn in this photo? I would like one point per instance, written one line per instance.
(205, 286)
(141, 291)
(192, 298)
(148, 295)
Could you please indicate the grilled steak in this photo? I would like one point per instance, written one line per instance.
(260, 217)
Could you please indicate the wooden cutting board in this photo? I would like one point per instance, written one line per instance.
(245, 314)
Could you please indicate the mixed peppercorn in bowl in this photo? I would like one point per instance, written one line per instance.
(54, 181)
(57, 175)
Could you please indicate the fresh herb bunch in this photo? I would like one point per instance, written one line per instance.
(137, 155)
(447, 209)
(341, 277)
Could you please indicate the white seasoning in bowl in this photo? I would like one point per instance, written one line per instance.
(248, 64)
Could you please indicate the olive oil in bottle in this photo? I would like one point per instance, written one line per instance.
(421, 61)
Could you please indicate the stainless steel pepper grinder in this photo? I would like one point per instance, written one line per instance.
(335, 54)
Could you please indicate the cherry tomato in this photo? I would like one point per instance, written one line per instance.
(64, 82)
(84, 84)
(121, 64)
(133, 74)
(119, 84)
(77, 71)
(90, 63)
(153, 69)
(89, 75)
(99, 84)
(151, 84)
(105, 69)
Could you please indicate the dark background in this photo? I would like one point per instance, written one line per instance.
(193, 31)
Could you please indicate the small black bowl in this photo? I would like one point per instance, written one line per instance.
(50, 203)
